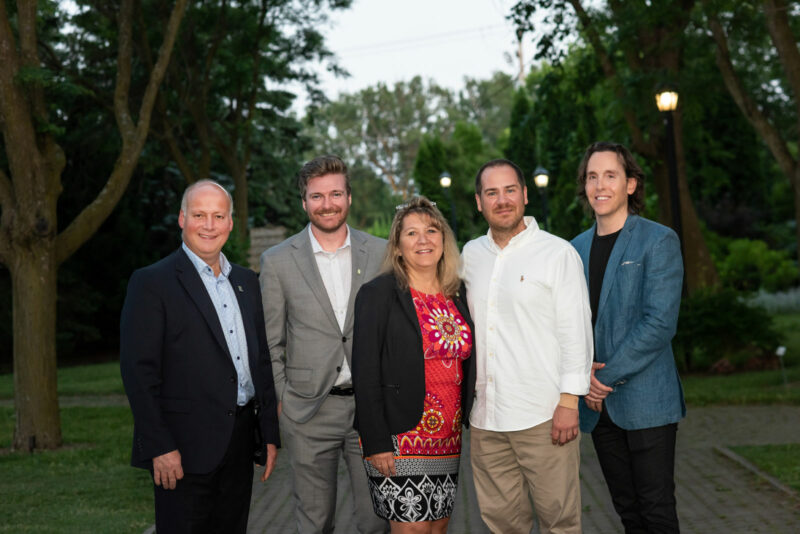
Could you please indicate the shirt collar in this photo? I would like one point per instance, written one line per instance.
(531, 228)
(316, 247)
(203, 267)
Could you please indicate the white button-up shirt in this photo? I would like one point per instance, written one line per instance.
(533, 327)
(335, 268)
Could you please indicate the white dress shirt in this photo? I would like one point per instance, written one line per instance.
(335, 268)
(533, 327)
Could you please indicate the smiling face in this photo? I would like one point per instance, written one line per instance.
(327, 202)
(607, 189)
(207, 222)
(502, 200)
(420, 244)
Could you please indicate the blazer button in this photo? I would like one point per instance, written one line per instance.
(339, 369)
(230, 412)
(344, 339)
(232, 379)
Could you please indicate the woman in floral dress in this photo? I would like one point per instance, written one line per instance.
(414, 372)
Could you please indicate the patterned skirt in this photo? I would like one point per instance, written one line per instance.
(424, 488)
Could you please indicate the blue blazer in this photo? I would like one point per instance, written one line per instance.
(636, 320)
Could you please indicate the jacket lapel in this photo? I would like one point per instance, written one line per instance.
(307, 265)
(614, 261)
(190, 279)
(407, 303)
(359, 258)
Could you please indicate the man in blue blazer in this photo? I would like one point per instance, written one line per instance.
(196, 369)
(634, 270)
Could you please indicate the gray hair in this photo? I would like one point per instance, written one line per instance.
(200, 183)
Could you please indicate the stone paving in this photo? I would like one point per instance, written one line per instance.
(715, 495)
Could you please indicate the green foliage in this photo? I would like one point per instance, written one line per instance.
(781, 461)
(87, 486)
(718, 323)
(381, 227)
(373, 201)
(750, 265)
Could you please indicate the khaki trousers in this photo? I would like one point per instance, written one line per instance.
(509, 467)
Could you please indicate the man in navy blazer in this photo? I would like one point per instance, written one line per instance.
(196, 369)
(635, 273)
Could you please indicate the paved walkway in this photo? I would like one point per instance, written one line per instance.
(714, 494)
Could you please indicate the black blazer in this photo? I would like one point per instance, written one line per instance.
(388, 363)
(176, 367)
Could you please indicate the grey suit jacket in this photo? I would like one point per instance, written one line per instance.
(306, 344)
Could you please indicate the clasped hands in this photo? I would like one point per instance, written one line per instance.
(597, 390)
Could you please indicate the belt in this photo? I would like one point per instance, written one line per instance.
(240, 409)
(342, 391)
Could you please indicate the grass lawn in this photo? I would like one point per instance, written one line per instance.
(755, 387)
(95, 379)
(87, 486)
(780, 461)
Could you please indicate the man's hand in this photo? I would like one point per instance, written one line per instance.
(384, 463)
(565, 425)
(597, 390)
(272, 455)
(597, 406)
(167, 470)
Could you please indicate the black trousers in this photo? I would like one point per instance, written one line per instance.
(639, 467)
(216, 502)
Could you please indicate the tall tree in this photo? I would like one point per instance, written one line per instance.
(224, 93)
(637, 45)
(765, 103)
(32, 247)
(383, 127)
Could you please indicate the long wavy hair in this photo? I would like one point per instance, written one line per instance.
(448, 267)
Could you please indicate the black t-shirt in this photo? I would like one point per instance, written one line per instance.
(602, 245)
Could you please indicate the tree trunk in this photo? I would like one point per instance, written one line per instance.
(33, 275)
(240, 200)
(700, 269)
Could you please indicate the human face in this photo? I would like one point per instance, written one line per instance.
(207, 222)
(327, 202)
(502, 200)
(421, 244)
(607, 188)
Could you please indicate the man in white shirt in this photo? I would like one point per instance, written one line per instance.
(527, 295)
(309, 283)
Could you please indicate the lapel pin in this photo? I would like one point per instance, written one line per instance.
(522, 278)
(240, 289)
(358, 271)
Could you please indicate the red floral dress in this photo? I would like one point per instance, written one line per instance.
(427, 457)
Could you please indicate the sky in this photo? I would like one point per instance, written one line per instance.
(444, 40)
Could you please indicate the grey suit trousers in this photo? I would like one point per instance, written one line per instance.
(315, 448)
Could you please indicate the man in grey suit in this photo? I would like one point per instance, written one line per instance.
(309, 283)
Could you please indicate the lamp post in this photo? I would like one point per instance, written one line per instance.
(667, 101)
(445, 180)
(540, 178)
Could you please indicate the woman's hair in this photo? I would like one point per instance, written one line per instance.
(447, 269)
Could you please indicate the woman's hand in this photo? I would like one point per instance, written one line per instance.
(384, 463)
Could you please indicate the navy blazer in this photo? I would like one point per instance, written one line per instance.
(177, 369)
(636, 320)
(389, 366)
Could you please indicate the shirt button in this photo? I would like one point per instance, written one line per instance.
(231, 331)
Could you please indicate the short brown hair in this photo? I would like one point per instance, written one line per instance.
(632, 170)
(448, 267)
(321, 166)
(500, 162)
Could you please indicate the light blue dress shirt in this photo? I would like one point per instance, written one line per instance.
(230, 318)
